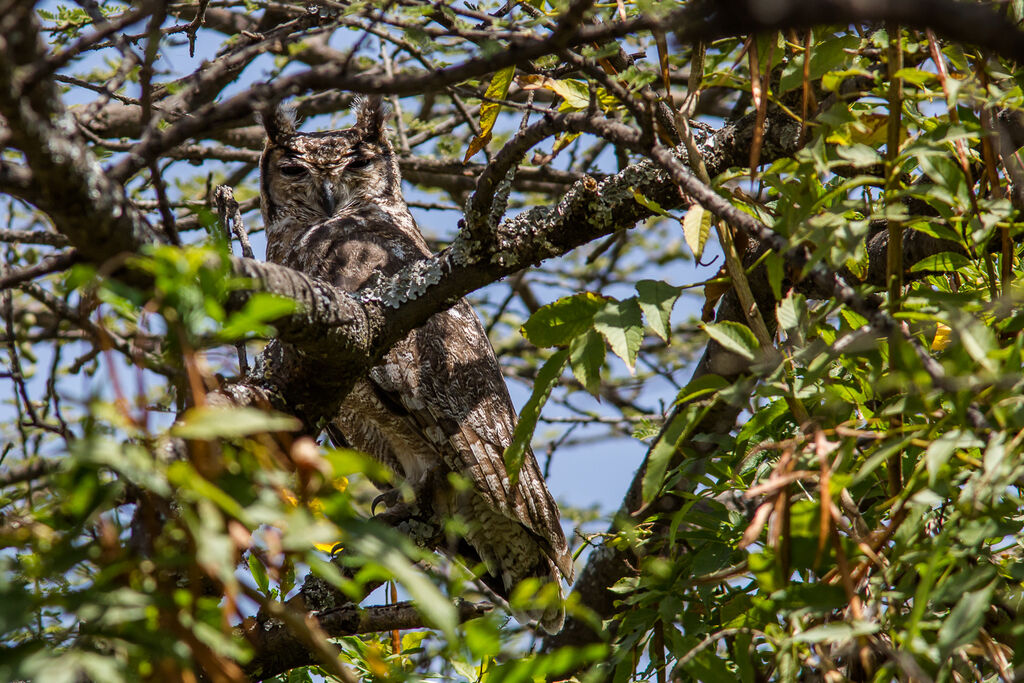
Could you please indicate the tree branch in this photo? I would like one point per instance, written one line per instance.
(278, 650)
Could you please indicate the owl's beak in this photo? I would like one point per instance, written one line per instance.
(329, 200)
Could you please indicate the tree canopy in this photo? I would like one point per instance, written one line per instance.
(769, 248)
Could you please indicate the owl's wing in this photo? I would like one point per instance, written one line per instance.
(446, 377)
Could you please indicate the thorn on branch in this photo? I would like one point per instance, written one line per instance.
(231, 221)
(231, 218)
(194, 27)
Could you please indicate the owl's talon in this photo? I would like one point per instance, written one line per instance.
(389, 498)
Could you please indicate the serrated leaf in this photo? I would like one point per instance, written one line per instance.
(547, 377)
(657, 299)
(561, 321)
(586, 357)
(220, 422)
(621, 324)
(696, 228)
(497, 90)
(735, 337)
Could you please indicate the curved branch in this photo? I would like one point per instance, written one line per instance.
(277, 650)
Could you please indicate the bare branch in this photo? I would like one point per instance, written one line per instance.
(50, 264)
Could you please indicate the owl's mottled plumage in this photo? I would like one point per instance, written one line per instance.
(333, 208)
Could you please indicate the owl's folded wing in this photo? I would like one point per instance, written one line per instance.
(447, 379)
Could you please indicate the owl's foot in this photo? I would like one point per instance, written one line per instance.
(421, 489)
(389, 498)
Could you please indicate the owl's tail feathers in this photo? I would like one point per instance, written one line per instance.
(549, 612)
(551, 617)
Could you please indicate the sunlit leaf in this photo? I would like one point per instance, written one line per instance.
(213, 422)
(547, 376)
(497, 90)
(621, 324)
(696, 228)
(656, 299)
(560, 322)
(586, 357)
(735, 337)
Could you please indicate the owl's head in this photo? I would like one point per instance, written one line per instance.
(312, 176)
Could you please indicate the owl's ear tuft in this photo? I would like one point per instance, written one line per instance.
(278, 121)
(371, 116)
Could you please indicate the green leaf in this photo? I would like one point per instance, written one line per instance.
(220, 422)
(859, 155)
(945, 173)
(259, 574)
(383, 549)
(621, 324)
(260, 309)
(661, 455)
(497, 90)
(586, 357)
(836, 632)
(700, 387)
(944, 262)
(696, 228)
(560, 322)
(656, 300)
(940, 450)
(185, 477)
(916, 76)
(735, 337)
(651, 205)
(792, 312)
(547, 377)
(776, 270)
(962, 624)
(827, 55)
(575, 93)
(977, 339)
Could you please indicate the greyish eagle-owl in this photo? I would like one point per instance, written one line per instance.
(333, 208)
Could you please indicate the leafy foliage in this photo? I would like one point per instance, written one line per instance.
(832, 491)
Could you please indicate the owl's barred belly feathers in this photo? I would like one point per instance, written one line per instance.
(437, 403)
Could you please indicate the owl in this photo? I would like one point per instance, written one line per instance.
(437, 404)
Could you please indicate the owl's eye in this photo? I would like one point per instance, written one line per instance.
(358, 163)
(293, 171)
